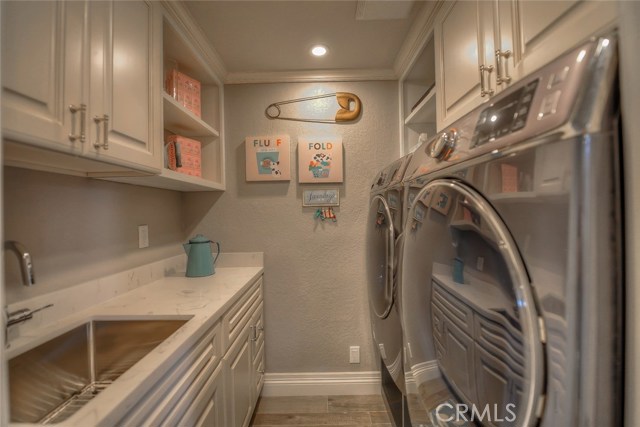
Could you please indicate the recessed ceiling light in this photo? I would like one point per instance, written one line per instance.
(318, 50)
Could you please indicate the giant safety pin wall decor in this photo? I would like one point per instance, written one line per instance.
(344, 114)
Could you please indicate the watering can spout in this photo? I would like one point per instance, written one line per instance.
(187, 247)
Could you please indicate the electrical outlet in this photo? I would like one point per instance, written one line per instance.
(354, 354)
(143, 236)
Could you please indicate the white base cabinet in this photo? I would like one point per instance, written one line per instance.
(245, 359)
(217, 382)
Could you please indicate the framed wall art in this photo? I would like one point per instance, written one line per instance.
(268, 158)
(320, 160)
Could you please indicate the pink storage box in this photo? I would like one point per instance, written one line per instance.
(185, 90)
(189, 152)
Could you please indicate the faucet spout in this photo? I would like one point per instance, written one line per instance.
(26, 265)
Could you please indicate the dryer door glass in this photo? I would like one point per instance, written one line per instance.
(473, 348)
(380, 257)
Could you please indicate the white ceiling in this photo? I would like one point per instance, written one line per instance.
(276, 36)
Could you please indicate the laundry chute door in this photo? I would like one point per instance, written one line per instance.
(380, 257)
(471, 328)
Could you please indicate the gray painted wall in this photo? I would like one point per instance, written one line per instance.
(315, 292)
(79, 229)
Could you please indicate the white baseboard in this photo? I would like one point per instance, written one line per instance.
(321, 383)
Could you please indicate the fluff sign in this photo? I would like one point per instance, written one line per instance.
(268, 158)
(320, 160)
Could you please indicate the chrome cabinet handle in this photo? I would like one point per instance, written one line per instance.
(82, 108)
(499, 64)
(488, 90)
(255, 332)
(105, 143)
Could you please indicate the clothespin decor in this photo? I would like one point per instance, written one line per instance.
(325, 213)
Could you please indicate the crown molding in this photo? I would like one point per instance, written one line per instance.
(176, 11)
(310, 76)
(417, 37)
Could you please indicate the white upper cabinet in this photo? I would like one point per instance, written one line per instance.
(123, 74)
(484, 46)
(42, 72)
(457, 45)
(550, 28)
(78, 78)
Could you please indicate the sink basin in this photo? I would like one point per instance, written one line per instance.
(51, 382)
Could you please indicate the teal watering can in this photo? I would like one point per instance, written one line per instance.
(200, 260)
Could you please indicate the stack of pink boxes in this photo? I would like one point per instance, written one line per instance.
(185, 90)
(184, 155)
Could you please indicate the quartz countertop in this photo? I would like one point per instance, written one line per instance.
(202, 300)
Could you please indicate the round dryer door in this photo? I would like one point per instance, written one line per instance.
(472, 340)
(380, 257)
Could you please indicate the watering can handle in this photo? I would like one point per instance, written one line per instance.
(218, 253)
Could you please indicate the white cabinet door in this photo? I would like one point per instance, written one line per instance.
(42, 72)
(239, 382)
(123, 69)
(457, 44)
(550, 28)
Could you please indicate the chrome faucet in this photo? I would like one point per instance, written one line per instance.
(26, 265)
(18, 316)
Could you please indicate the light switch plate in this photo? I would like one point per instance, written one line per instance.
(354, 354)
(143, 236)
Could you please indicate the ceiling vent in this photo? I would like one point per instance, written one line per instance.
(375, 10)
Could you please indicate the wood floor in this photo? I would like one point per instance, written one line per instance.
(316, 411)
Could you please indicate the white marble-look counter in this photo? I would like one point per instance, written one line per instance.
(201, 300)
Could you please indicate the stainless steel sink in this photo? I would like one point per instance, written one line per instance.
(51, 382)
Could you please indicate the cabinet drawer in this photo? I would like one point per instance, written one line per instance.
(164, 395)
(207, 409)
(238, 315)
(453, 309)
(437, 321)
(190, 396)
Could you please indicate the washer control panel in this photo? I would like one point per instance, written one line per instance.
(507, 115)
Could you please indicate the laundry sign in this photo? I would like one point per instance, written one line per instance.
(320, 159)
(268, 158)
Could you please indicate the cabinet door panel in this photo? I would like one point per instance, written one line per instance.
(537, 16)
(460, 48)
(240, 387)
(41, 70)
(122, 75)
(457, 57)
(460, 361)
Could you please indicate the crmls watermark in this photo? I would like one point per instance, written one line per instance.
(448, 414)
